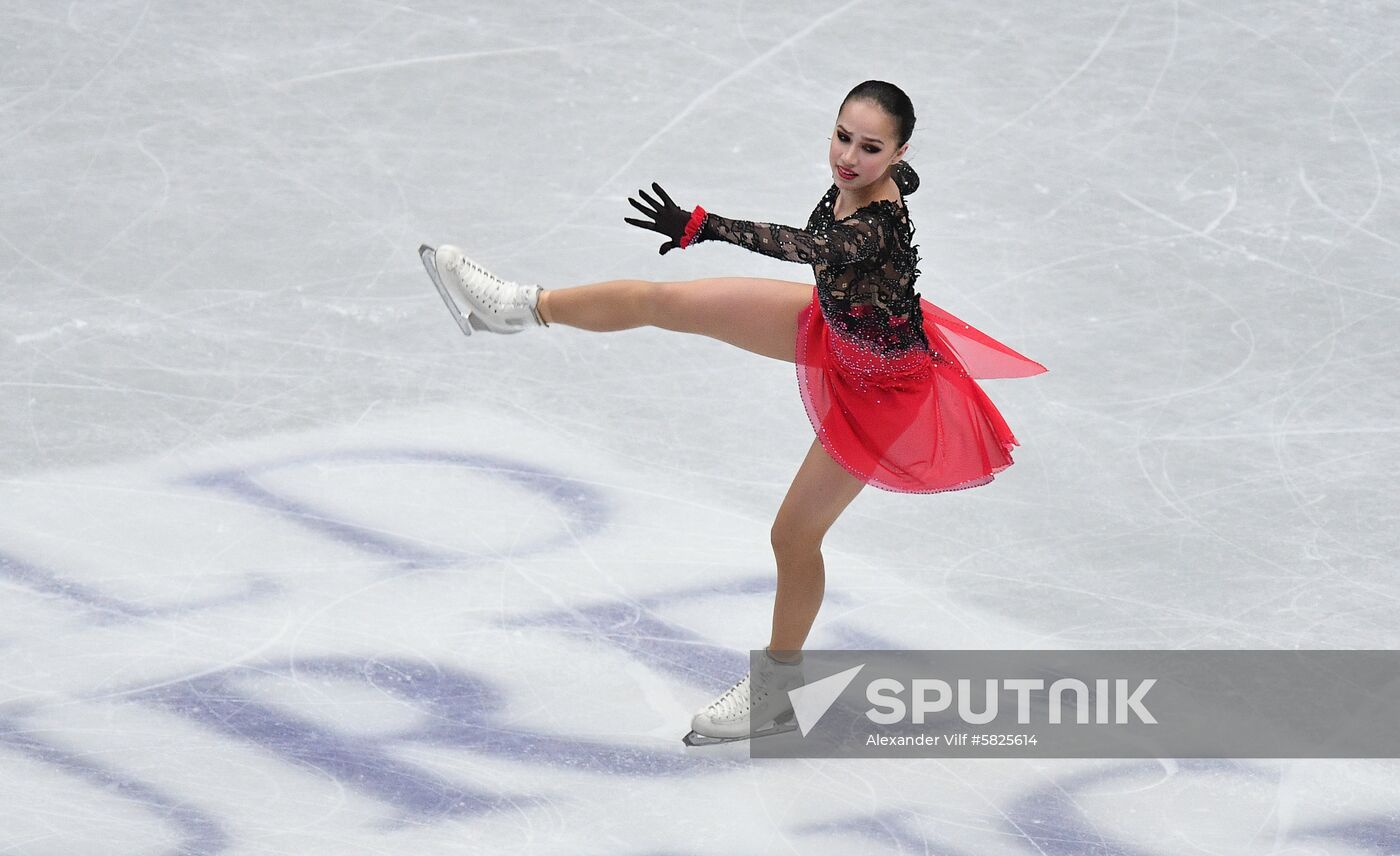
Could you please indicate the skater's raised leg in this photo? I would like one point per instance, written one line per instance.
(603, 307)
(753, 313)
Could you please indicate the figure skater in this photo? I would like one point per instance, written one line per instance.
(886, 377)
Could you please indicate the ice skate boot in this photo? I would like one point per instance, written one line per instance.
(729, 717)
(477, 298)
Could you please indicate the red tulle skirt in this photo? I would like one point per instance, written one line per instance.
(916, 423)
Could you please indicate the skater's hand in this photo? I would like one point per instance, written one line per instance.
(665, 217)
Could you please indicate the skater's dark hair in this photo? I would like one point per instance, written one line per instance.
(893, 101)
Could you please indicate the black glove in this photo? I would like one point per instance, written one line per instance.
(666, 217)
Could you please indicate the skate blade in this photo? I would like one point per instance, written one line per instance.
(466, 322)
(781, 725)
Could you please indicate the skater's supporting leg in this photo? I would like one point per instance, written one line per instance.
(756, 314)
(819, 493)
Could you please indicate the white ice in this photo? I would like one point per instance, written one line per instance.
(291, 566)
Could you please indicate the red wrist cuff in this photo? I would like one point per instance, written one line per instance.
(692, 228)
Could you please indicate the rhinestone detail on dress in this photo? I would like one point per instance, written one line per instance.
(866, 265)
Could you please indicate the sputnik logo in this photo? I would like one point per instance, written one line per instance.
(810, 702)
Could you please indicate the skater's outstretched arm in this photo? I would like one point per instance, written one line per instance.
(848, 241)
(856, 237)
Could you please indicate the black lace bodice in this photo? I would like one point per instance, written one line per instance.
(865, 265)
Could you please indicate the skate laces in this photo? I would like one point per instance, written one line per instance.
(735, 701)
(487, 282)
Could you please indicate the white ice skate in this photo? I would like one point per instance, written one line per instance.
(729, 717)
(477, 298)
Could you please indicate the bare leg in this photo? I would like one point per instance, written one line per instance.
(819, 493)
(759, 315)
(753, 313)
(618, 304)
(801, 587)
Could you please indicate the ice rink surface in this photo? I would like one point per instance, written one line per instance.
(290, 566)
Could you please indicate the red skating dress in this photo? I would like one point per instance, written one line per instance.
(887, 377)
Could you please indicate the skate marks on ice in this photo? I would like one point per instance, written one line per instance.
(340, 635)
(314, 523)
(143, 812)
(105, 606)
(581, 508)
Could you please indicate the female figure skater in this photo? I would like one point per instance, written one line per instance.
(885, 376)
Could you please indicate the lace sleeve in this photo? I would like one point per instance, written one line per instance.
(845, 242)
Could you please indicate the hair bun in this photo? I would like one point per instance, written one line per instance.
(905, 178)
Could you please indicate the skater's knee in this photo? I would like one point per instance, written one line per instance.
(664, 303)
(682, 305)
(635, 305)
(794, 540)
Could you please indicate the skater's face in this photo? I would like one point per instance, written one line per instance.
(863, 143)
